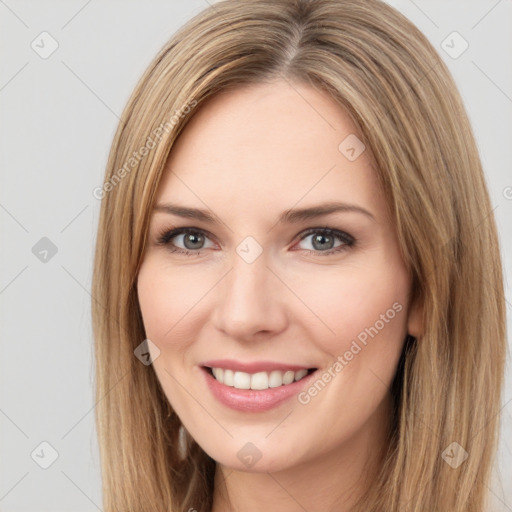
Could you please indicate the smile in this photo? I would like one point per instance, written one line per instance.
(257, 389)
(258, 381)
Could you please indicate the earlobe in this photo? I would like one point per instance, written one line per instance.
(415, 319)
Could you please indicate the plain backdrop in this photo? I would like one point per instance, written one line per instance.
(59, 112)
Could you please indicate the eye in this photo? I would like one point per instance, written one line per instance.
(193, 240)
(323, 240)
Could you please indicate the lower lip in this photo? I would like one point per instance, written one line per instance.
(252, 400)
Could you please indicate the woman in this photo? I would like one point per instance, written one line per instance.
(298, 298)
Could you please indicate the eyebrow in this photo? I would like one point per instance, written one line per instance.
(288, 216)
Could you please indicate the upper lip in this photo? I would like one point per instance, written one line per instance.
(254, 366)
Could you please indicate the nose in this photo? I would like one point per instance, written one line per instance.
(250, 300)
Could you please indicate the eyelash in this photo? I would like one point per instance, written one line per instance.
(349, 241)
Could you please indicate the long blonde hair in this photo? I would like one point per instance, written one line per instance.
(383, 71)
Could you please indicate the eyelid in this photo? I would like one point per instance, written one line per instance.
(330, 231)
(164, 236)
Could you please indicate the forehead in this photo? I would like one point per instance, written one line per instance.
(268, 146)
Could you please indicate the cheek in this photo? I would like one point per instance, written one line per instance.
(366, 312)
(154, 295)
(167, 298)
(362, 312)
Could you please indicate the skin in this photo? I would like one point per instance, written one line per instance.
(247, 156)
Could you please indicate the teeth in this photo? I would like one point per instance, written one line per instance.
(260, 380)
(276, 379)
(242, 380)
(218, 373)
(300, 374)
(228, 377)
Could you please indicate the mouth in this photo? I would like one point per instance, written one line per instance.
(255, 392)
(259, 381)
(255, 386)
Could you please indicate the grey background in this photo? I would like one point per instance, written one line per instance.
(58, 119)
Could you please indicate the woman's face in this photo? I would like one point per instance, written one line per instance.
(257, 288)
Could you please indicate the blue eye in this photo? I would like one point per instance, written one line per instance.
(193, 240)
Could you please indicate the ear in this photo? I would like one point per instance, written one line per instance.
(415, 319)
